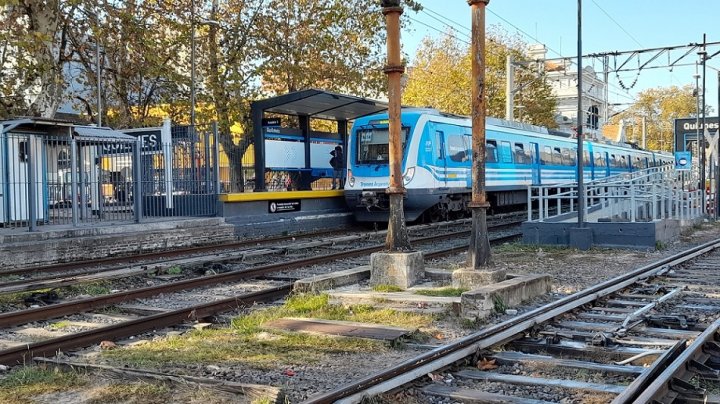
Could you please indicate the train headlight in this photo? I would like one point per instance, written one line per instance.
(409, 174)
(351, 179)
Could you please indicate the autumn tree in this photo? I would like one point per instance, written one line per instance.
(144, 60)
(440, 78)
(33, 53)
(659, 107)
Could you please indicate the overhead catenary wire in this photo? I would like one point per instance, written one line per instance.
(454, 24)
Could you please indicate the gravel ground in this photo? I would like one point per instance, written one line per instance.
(570, 270)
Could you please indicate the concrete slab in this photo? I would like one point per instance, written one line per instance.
(441, 275)
(401, 269)
(341, 328)
(396, 300)
(332, 280)
(469, 278)
(481, 302)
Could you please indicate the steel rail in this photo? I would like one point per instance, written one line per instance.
(677, 369)
(125, 260)
(445, 355)
(21, 354)
(24, 353)
(57, 310)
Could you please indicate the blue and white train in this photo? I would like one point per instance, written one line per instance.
(436, 163)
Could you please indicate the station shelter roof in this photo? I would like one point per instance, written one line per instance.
(60, 127)
(321, 104)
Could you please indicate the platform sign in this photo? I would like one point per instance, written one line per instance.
(683, 161)
(287, 205)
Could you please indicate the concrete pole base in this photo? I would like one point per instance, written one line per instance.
(401, 269)
(468, 278)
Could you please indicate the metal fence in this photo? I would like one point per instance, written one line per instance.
(62, 178)
(646, 195)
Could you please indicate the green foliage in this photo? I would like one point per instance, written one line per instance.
(20, 385)
(660, 106)
(263, 347)
(499, 304)
(174, 270)
(440, 78)
(387, 288)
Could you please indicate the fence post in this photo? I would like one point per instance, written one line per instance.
(529, 203)
(73, 179)
(206, 143)
(32, 189)
(216, 159)
(632, 203)
(137, 183)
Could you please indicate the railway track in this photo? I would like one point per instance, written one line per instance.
(132, 327)
(628, 339)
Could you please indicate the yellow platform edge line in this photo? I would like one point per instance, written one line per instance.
(272, 196)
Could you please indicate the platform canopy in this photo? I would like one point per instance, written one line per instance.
(320, 104)
(47, 126)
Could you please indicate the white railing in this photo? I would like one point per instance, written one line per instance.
(645, 195)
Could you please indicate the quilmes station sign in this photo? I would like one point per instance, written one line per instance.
(151, 139)
(686, 131)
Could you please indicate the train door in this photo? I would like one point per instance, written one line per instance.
(535, 151)
(440, 159)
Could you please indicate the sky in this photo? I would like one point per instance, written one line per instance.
(607, 25)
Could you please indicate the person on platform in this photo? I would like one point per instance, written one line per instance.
(337, 162)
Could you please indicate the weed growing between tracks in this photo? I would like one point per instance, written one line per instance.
(247, 341)
(25, 382)
(32, 384)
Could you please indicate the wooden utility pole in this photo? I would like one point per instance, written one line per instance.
(479, 251)
(397, 237)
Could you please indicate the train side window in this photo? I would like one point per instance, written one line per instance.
(506, 155)
(599, 160)
(586, 158)
(546, 155)
(568, 156)
(623, 162)
(521, 155)
(557, 156)
(440, 144)
(491, 151)
(457, 148)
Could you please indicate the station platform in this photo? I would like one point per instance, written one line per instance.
(286, 212)
(240, 216)
(54, 244)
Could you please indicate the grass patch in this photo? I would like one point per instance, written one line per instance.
(60, 325)
(247, 341)
(20, 386)
(442, 292)
(91, 289)
(141, 392)
(15, 297)
(174, 270)
(387, 288)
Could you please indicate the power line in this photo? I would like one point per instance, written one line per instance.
(439, 30)
(617, 23)
(628, 96)
(457, 24)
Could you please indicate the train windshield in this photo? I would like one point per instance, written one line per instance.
(373, 144)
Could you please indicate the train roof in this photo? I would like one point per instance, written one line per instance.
(503, 123)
